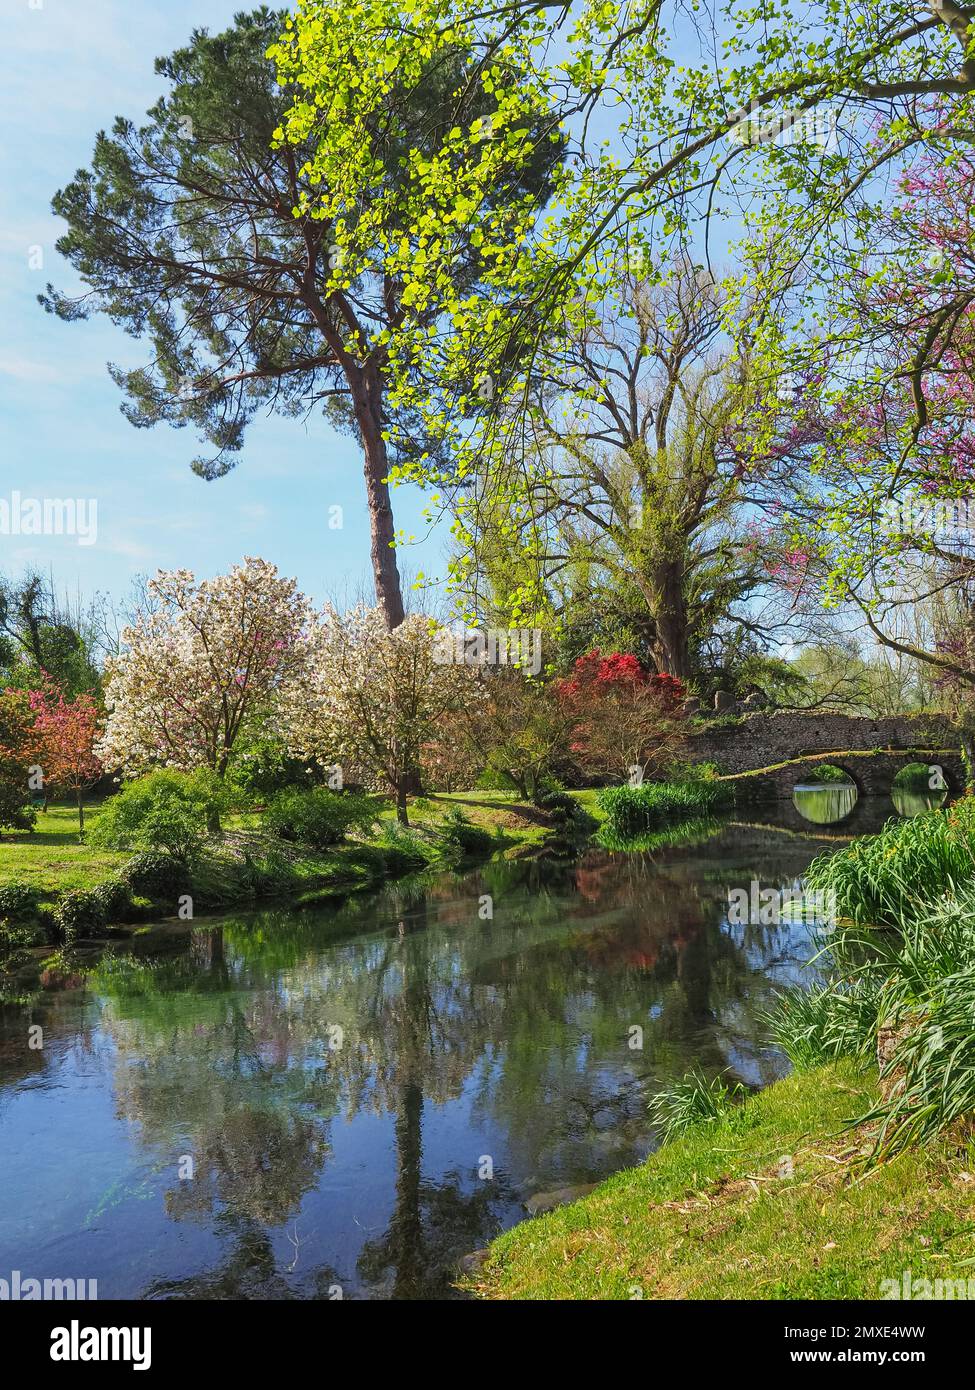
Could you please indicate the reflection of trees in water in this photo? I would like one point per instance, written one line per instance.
(250, 1270)
(224, 1053)
(209, 1073)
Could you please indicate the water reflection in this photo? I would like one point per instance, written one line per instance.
(912, 803)
(824, 803)
(365, 1093)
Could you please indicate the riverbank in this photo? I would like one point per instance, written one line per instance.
(775, 1202)
(53, 862)
(447, 830)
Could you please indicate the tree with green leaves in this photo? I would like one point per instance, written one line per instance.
(40, 637)
(790, 113)
(620, 503)
(225, 247)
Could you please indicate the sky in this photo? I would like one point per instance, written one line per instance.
(70, 67)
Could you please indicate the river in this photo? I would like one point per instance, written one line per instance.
(339, 1102)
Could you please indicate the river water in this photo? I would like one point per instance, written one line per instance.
(340, 1102)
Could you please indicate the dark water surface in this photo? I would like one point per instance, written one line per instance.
(369, 1091)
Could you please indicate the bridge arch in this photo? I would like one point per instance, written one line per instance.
(826, 793)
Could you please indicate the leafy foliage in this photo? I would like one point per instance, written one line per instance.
(632, 811)
(882, 879)
(318, 817)
(166, 810)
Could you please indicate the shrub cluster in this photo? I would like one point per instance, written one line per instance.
(22, 920)
(168, 811)
(18, 901)
(152, 874)
(318, 818)
(88, 912)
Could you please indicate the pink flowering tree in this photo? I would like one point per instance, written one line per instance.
(202, 663)
(878, 519)
(65, 732)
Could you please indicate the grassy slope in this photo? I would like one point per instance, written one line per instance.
(708, 1216)
(52, 860)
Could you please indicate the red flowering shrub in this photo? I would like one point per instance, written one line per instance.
(626, 718)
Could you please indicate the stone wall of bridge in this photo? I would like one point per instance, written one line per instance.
(766, 754)
(761, 740)
(873, 772)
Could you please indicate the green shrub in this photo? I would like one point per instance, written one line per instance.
(318, 818)
(17, 935)
(635, 810)
(263, 766)
(79, 914)
(458, 838)
(693, 1101)
(166, 810)
(152, 874)
(403, 851)
(18, 901)
(114, 897)
(560, 804)
(692, 772)
(88, 912)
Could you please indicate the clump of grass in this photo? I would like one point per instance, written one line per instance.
(912, 990)
(926, 1005)
(824, 1023)
(691, 1102)
(883, 879)
(403, 850)
(636, 810)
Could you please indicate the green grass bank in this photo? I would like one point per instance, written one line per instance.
(774, 1202)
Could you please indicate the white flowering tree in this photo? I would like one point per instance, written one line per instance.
(203, 659)
(376, 698)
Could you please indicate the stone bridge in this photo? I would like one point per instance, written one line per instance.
(765, 755)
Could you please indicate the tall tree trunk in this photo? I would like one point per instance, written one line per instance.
(81, 816)
(367, 405)
(402, 815)
(673, 643)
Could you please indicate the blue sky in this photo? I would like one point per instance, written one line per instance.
(72, 66)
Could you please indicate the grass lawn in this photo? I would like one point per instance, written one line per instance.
(51, 859)
(717, 1215)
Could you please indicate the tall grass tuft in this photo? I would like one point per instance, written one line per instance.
(907, 999)
(636, 810)
(695, 1100)
(820, 1025)
(883, 879)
